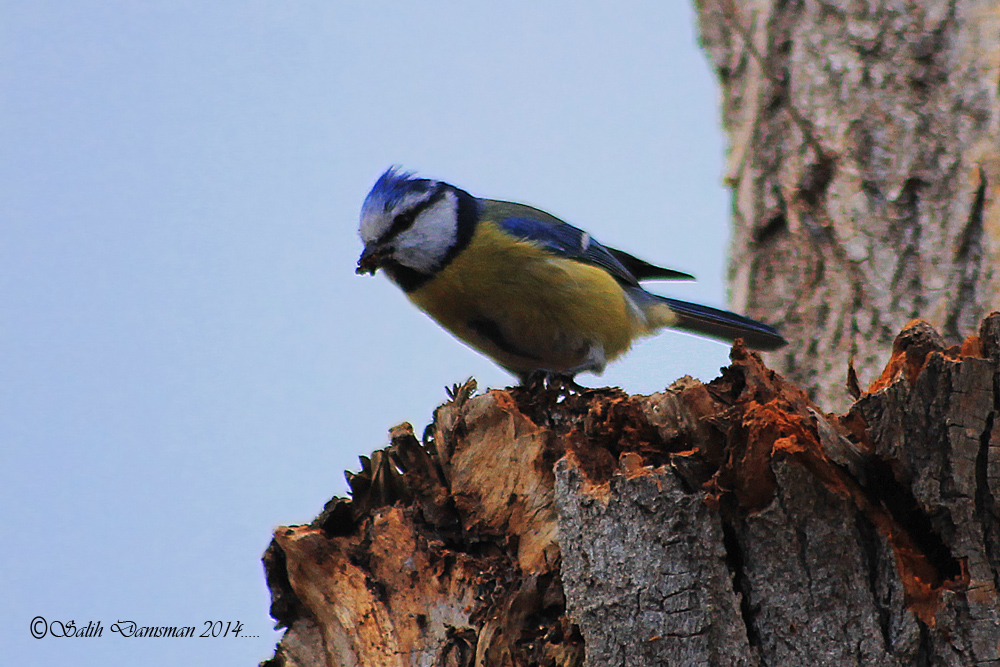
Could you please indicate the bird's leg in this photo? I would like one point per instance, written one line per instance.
(534, 381)
(564, 384)
(541, 380)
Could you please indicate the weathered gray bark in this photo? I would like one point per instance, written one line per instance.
(723, 524)
(645, 574)
(864, 161)
(733, 523)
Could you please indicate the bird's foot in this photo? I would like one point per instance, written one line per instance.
(562, 384)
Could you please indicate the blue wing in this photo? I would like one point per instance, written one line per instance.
(565, 240)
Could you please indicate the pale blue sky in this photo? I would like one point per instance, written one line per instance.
(188, 357)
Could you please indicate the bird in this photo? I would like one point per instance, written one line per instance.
(537, 295)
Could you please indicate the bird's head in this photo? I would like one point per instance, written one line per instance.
(408, 224)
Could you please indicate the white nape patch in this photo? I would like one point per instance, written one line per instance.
(584, 241)
(424, 245)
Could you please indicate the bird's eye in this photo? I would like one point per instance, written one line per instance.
(401, 223)
(405, 219)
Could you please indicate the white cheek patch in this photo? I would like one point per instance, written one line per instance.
(427, 242)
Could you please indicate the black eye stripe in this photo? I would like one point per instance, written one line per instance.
(405, 220)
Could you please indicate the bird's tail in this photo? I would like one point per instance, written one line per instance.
(707, 321)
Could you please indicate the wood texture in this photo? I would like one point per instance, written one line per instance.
(644, 570)
(735, 522)
(732, 523)
(864, 161)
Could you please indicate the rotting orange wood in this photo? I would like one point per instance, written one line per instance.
(488, 466)
(598, 489)
(631, 465)
(767, 417)
(781, 427)
(972, 346)
(922, 585)
(912, 348)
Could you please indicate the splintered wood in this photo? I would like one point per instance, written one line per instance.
(728, 523)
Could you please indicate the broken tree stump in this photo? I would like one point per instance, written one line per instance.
(728, 523)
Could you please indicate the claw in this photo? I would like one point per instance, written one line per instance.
(563, 384)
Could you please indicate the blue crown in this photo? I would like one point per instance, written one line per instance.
(391, 187)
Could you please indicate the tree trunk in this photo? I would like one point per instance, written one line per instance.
(724, 524)
(733, 523)
(865, 165)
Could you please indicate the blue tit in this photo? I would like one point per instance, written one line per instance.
(526, 289)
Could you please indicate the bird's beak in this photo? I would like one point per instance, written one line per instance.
(370, 260)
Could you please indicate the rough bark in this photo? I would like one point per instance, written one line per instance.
(864, 161)
(731, 523)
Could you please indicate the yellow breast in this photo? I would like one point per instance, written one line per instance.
(546, 312)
